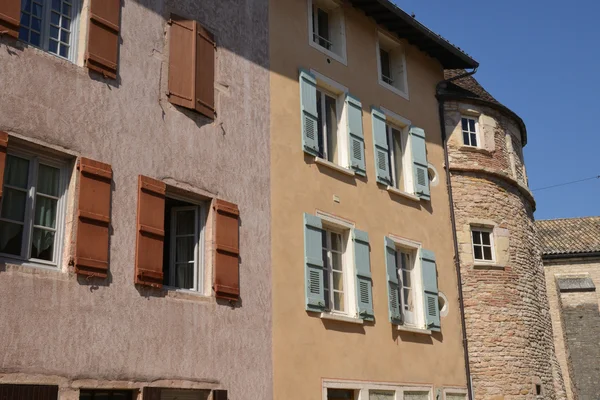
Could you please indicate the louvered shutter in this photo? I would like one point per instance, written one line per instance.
(191, 66)
(419, 160)
(227, 250)
(430, 290)
(362, 265)
(3, 148)
(382, 156)
(93, 218)
(103, 37)
(392, 278)
(28, 392)
(308, 112)
(313, 263)
(150, 232)
(355, 135)
(10, 15)
(151, 393)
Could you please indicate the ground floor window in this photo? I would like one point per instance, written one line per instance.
(360, 390)
(37, 392)
(106, 394)
(340, 394)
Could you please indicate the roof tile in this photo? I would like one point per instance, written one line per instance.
(569, 235)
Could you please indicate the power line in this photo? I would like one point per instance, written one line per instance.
(567, 183)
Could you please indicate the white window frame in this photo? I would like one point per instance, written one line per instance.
(199, 251)
(477, 135)
(341, 57)
(490, 230)
(448, 391)
(34, 160)
(45, 33)
(391, 42)
(363, 388)
(403, 125)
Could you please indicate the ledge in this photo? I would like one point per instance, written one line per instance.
(475, 150)
(484, 265)
(400, 193)
(421, 331)
(342, 318)
(183, 294)
(329, 164)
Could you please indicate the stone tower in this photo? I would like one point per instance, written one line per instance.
(508, 327)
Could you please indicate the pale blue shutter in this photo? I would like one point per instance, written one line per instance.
(309, 115)
(362, 265)
(356, 137)
(313, 263)
(380, 144)
(419, 162)
(430, 290)
(392, 277)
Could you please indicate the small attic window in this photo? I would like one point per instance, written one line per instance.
(392, 64)
(327, 29)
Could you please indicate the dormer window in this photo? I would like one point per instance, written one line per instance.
(392, 65)
(326, 28)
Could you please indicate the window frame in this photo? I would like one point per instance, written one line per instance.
(448, 391)
(337, 8)
(395, 44)
(34, 159)
(490, 231)
(414, 249)
(401, 124)
(364, 387)
(110, 392)
(462, 131)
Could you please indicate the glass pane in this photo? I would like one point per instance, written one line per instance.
(320, 131)
(416, 396)
(476, 237)
(478, 253)
(486, 237)
(338, 301)
(64, 36)
(13, 205)
(56, 5)
(466, 138)
(406, 278)
(338, 281)
(397, 143)
(336, 261)
(323, 21)
(65, 23)
(331, 111)
(17, 172)
(66, 10)
(54, 18)
(472, 125)
(340, 394)
(24, 20)
(336, 241)
(465, 124)
(54, 32)
(85, 395)
(381, 395)
(473, 139)
(36, 10)
(36, 24)
(48, 180)
(326, 285)
(35, 39)
(53, 46)
(64, 51)
(42, 244)
(385, 64)
(184, 249)
(186, 222)
(27, 5)
(325, 261)
(11, 238)
(407, 300)
(184, 276)
(45, 212)
(24, 34)
(487, 253)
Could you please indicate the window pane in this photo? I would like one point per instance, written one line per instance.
(381, 395)
(184, 251)
(466, 138)
(336, 259)
(406, 278)
(465, 124)
(36, 10)
(56, 5)
(64, 36)
(186, 222)
(338, 281)
(416, 396)
(323, 26)
(16, 172)
(24, 34)
(13, 205)
(326, 285)
(54, 32)
(45, 212)
(473, 139)
(42, 244)
(65, 23)
(336, 241)
(24, 20)
(11, 238)
(408, 300)
(54, 18)
(487, 253)
(331, 111)
(338, 301)
(27, 6)
(35, 39)
(320, 130)
(397, 143)
(472, 125)
(385, 65)
(486, 237)
(340, 394)
(476, 237)
(64, 51)
(48, 180)
(478, 253)
(184, 275)
(53, 46)
(66, 10)
(36, 24)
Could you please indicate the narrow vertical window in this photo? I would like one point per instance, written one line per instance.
(483, 247)
(334, 274)
(321, 27)
(386, 71)
(327, 28)
(327, 115)
(396, 154)
(405, 266)
(469, 131)
(392, 65)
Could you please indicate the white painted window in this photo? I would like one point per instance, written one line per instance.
(398, 140)
(455, 395)
(326, 28)
(408, 267)
(51, 25)
(483, 244)
(32, 210)
(361, 390)
(470, 127)
(183, 248)
(391, 62)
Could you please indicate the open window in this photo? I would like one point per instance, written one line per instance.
(327, 28)
(392, 64)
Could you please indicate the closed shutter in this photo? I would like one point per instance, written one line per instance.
(227, 250)
(3, 147)
(308, 112)
(313, 263)
(103, 37)
(430, 290)
(10, 15)
(28, 392)
(93, 218)
(392, 277)
(150, 232)
(191, 66)
(382, 156)
(356, 136)
(419, 159)
(362, 265)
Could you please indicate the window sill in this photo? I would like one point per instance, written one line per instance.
(335, 56)
(394, 89)
(487, 265)
(184, 294)
(474, 149)
(342, 318)
(329, 164)
(422, 331)
(398, 192)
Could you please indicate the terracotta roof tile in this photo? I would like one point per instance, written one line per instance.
(570, 235)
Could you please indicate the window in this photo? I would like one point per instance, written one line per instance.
(483, 246)
(354, 390)
(326, 28)
(382, 395)
(416, 395)
(392, 65)
(50, 25)
(335, 273)
(38, 392)
(32, 208)
(397, 143)
(182, 251)
(105, 394)
(327, 111)
(179, 394)
(455, 394)
(409, 286)
(340, 394)
(469, 130)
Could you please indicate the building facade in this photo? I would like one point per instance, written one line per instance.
(365, 291)
(135, 214)
(507, 319)
(571, 255)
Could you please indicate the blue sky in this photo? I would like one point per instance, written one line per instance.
(540, 58)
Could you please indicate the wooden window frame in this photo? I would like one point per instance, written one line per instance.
(469, 132)
(492, 245)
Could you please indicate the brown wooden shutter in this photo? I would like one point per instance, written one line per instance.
(3, 147)
(103, 37)
(227, 250)
(150, 393)
(10, 15)
(28, 392)
(93, 218)
(151, 232)
(191, 66)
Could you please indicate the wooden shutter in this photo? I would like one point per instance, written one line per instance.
(227, 250)
(308, 112)
(356, 136)
(93, 218)
(10, 15)
(392, 277)
(419, 160)
(3, 147)
(219, 395)
(150, 232)
(430, 290)
(191, 66)
(380, 144)
(103, 37)
(28, 392)
(362, 266)
(151, 393)
(313, 263)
